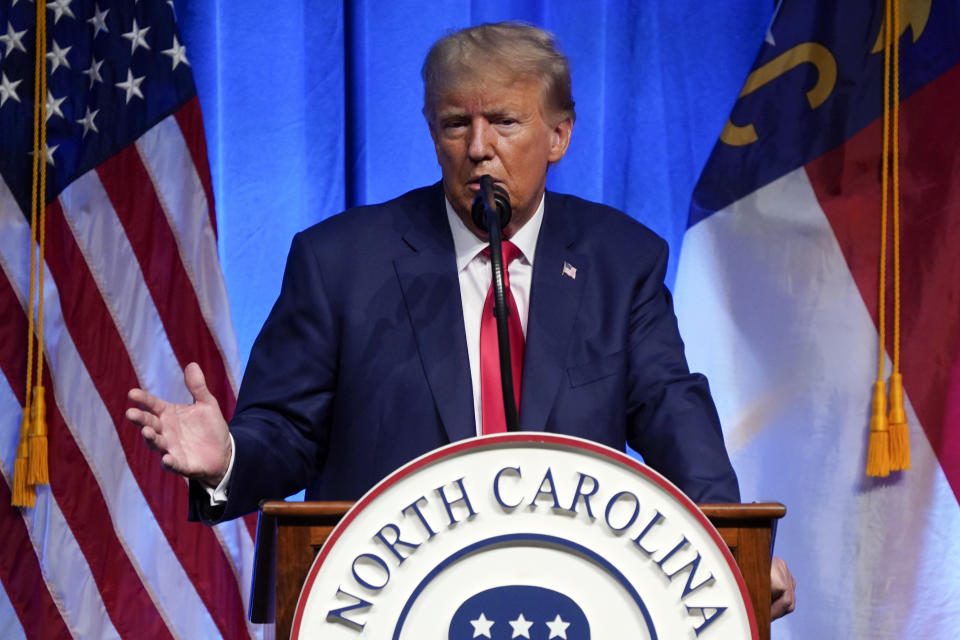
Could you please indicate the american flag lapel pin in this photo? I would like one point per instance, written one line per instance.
(569, 270)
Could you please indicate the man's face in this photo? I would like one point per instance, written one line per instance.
(499, 128)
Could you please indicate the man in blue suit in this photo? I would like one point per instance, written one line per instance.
(364, 362)
(369, 357)
(385, 377)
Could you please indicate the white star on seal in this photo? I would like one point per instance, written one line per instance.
(177, 53)
(13, 40)
(481, 626)
(558, 628)
(8, 89)
(137, 37)
(521, 627)
(132, 85)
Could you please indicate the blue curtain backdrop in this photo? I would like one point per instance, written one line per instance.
(312, 106)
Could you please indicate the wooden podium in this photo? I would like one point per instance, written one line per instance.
(289, 534)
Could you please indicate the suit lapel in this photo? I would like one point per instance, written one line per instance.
(554, 301)
(431, 291)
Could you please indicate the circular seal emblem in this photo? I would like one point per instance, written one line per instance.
(524, 535)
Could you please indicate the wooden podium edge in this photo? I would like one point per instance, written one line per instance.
(748, 530)
(289, 535)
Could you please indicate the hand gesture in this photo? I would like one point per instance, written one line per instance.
(193, 439)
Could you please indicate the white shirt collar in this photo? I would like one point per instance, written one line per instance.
(466, 245)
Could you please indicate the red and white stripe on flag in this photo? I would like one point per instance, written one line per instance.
(133, 292)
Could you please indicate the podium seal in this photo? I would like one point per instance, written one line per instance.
(524, 535)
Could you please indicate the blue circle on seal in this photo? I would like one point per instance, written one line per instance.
(527, 539)
(513, 611)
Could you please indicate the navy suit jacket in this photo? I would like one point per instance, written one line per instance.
(362, 364)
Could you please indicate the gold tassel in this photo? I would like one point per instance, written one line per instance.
(23, 493)
(39, 472)
(899, 431)
(878, 452)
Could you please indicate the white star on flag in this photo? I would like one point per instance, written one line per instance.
(94, 71)
(558, 628)
(137, 37)
(132, 85)
(48, 154)
(521, 627)
(58, 56)
(99, 20)
(177, 53)
(8, 89)
(13, 39)
(60, 8)
(87, 122)
(53, 106)
(481, 626)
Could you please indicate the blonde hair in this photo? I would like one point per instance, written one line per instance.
(511, 50)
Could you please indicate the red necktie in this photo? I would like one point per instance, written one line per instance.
(491, 393)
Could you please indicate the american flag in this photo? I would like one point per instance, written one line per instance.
(133, 292)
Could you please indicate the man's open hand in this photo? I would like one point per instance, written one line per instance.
(192, 439)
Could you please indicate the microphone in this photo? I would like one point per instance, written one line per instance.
(491, 199)
(491, 212)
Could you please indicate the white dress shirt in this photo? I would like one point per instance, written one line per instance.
(473, 269)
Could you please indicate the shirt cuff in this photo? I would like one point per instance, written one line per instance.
(218, 494)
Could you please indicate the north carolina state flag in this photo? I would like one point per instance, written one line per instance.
(777, 299)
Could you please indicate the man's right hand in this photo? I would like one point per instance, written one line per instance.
(192, 439)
